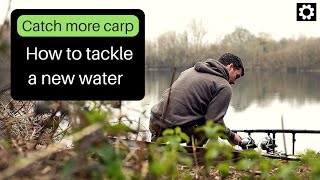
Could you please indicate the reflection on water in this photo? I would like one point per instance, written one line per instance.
(260, 88)
(263, 87)
(260, 99)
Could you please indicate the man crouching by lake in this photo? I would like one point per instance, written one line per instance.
(201, 93)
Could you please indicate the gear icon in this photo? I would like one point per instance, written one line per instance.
(306, 16)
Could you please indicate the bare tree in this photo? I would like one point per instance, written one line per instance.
(197, 32)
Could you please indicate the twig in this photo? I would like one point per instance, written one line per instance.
(168, 101)
(62, 132)
(138, 130)
(11, 120)
(22, 106)
(18, 147)
(33, 133)
(130, 154)
(51, 149)
(194, 148)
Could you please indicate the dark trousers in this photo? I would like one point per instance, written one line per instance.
(189, 129)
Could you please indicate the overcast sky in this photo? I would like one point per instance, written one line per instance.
(219, 17)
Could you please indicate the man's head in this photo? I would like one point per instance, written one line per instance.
(234, 65)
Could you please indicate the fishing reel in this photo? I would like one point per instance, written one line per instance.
(268, 144)
(247, 143)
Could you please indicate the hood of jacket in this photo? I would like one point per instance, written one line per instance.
(214, 67)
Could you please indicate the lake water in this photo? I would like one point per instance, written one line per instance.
(259, 101)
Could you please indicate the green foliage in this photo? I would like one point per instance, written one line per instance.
(214, 147)
(310, 156)
(212, 131)
(223, 169)
(98, 155)
(246, 164)
(217, 152)
(315, 172)
(173, 138)
(165, 158)
(95, 116)
(266, 165)
(286, 171)
(111, 161)
(67, 169)
(250, 154)
(312, 159)
(4, 144)
(118, 128)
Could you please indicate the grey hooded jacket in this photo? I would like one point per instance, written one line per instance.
(200, 93)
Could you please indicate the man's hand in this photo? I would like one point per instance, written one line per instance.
(237, 139)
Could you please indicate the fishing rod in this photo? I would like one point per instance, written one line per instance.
(275, 131)
(268, 144)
